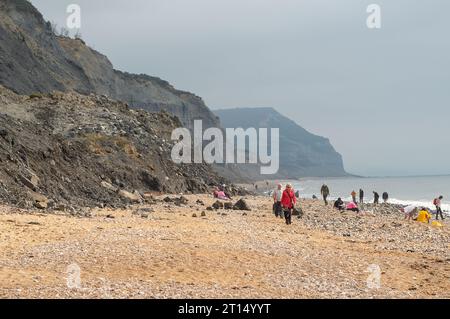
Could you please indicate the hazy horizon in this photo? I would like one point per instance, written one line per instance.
(380, 96)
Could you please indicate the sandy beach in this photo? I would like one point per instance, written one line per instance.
(163, 251)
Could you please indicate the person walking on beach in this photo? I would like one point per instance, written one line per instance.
(437, 203)
(385, 197)
(325, 191)
(354, 197)
(288, 200)
(361, 196)
(277, 194)
(376, 198)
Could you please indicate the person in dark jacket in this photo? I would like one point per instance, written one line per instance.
(376, 198)
(361, 196)
(325, 191)
(339, 204)
(385, 197)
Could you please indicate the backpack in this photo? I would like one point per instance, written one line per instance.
(435, 201)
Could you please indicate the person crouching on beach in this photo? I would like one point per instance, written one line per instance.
(288, 201)
(424, 216)
(277, 194)
(339, 204)
(220, 194)
(410, 211)
(352, 206)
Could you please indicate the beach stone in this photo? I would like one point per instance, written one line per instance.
(168, 200)
(132, 197)
(36, 197)
(41, 205)
(143, 212)
(149, 197)
(241, 205)
(146, 210)
(228, 205)
(194, 215)
(209, 208)
(61, 207)
(108, 186)
(203, 214)
(181, 201)
(218, 205)
(39, 200)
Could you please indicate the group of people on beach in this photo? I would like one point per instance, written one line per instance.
(285, 200)
(421, 214)
(353, 205)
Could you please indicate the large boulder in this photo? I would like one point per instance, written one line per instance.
(39, 201)
(242, 205)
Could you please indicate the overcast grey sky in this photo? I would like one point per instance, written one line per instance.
(381, 96)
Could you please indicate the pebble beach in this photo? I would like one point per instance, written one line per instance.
(169, 249)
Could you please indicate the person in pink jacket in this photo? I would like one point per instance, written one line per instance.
(353, 207)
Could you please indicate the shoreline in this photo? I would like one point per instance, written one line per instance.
(183, 250)
(398, 199)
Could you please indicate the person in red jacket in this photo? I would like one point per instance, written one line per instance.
(288, 200)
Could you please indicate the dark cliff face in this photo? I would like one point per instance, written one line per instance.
(302, 154)
(33, 59)
(68, 146)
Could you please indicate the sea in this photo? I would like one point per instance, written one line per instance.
(419, 191)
